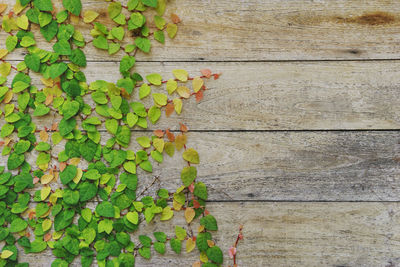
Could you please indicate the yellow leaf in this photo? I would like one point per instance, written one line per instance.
(78, 176)
(46, 178)
(190, 245)
(183, 91)
(48, 82)
(44, 136)
(90, 16)
(181, 75)
(8, 97)
(44, 193)
(158, 144)
(210, 243)
(203, 257)
(74, 19)
(74, 161)
(5, 254)
(46, 225)
(57, 235)
(23, 22)
(189, 214)
(3, 53)
(18, 8)
(5, 69)
(197, 83)
(3, 7)
(178, 105)
(200, 229)
(171, 86)
(180, 140)
(53, 199)
(46, 214)
(176, 205)
(167, 214)
(180, 189)
(171, 30)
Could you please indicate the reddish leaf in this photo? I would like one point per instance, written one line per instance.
(47, 237)
(199, 96)
(196, 204)
(206, 73)
(169, 109)
(171, 136)
(175, 19)
(159, 133)
(184, 128)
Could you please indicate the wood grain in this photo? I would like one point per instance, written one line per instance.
(283, 166)
(290, 234)
(279, 96)
(215, 30)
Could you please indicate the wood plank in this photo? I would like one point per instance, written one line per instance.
(281, 96)
(216, 30)
(282, 166)
(292, 234)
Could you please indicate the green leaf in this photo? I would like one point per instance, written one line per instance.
(137, 20)
(44, 18)
(209, 222)
(145, 240)
(159, 36)
(180, 233)
(176, 245)
(191, 156)
(200, 190)
(78, 57)
(133, 217)
(41, 110)
(70, 108)
(151, 3)
(144, 90)
(127, 62)
(154, 78)
(73, 6)
(201, 241)
(57, 69)
(112, 126)
(68, 174)
(15, 160)
(11, 43)
(159, 247)
(160, 236)
(114, 9)
(215, 254)
(43, 5)
(105, 209)
(22, 146)
(100, 42)
(66, 126)
(145, 252)
(144, 141)
(118, 32)
(27, 41)
(71, 197)
(188, 175)
(18, 225)
(87, 191)
(154, 114)
(32, 61)
(62, 47)
(143, 44)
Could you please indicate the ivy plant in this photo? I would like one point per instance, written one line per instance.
(71, 186)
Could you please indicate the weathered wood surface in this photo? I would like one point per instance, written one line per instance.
(253, 129)
(280, 96)
(291, 234)
(284, 166)
(215, 30)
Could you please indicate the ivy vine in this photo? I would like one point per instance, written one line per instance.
(83, 200)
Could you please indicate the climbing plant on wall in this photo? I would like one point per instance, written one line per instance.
(72, 185)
